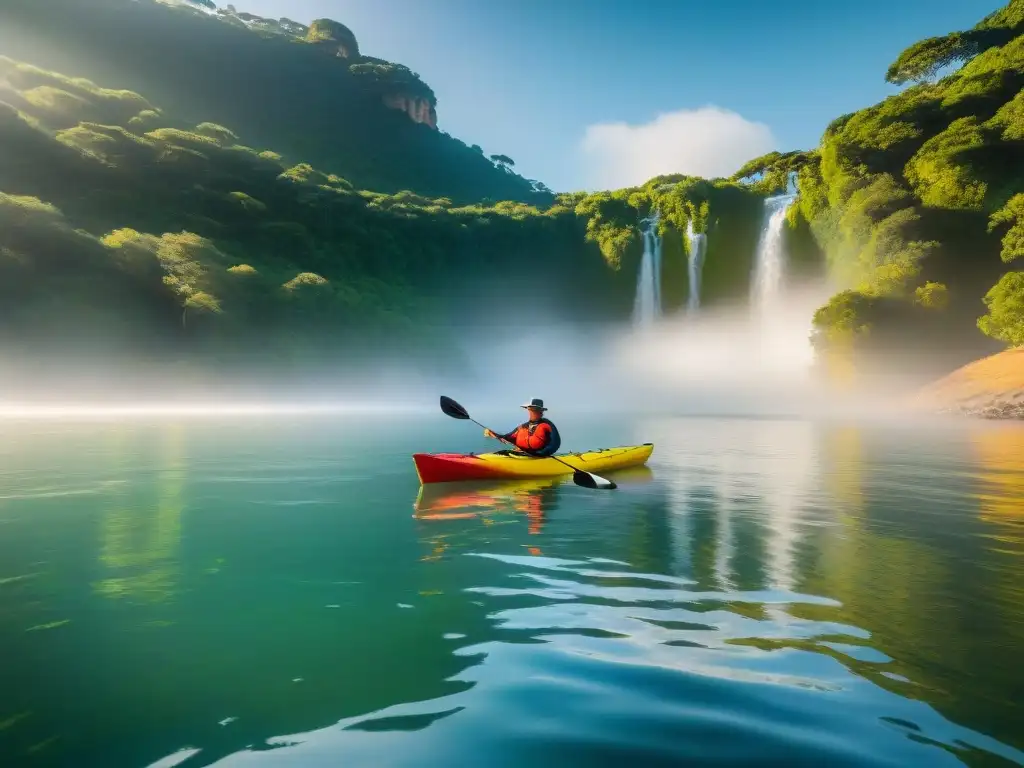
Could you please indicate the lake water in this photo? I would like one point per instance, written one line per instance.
(275, 592)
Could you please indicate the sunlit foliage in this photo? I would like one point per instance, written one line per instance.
(1011, 214)
(939, 173)
(932, 295)
(925, 59)
(218, 133)
(1005, 318)
(900, 195)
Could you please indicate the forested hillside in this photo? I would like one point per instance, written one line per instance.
(309, 93)
(123, 232)
(918, 202)
(128, 229)
(235, 190)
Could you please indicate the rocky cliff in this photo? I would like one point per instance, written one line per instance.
(396, 85)
(418, 108)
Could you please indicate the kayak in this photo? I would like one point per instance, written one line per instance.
(452, 467)
(461, 499)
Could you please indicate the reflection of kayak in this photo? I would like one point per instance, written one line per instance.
(442, 498)
(449, 467)
(458, 498)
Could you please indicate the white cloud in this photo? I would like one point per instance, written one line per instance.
(707, 142)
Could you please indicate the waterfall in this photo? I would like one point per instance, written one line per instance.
(698, 244)
(770, 261)
(647, 306)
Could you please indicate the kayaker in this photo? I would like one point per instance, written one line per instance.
(537, 437)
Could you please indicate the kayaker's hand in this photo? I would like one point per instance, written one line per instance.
(488, 433)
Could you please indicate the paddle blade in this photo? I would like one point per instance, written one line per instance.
(594, 482)
(453, 409)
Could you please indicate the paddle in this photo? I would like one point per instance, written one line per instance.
(581, 478)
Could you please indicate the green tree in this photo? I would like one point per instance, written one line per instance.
(941, 172)
(1005, 318)
(305, 280)
(1013, 214)
(218, 133)
(932, 295)
(503, 161)
(183, 257)
(925, 59)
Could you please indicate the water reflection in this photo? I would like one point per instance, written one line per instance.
(736, 512)
(1000, 493)
(764, 600)
(909, 566)
(771, 592)
(453, 501)
(140, 532)
(535, 498)
(1000, 454)
(595, 656)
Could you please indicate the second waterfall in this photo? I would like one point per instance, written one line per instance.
(698, 246)
(647, 307)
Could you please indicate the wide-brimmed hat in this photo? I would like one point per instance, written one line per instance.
(536, 404)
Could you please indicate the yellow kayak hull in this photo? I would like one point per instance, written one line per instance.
(452, 467)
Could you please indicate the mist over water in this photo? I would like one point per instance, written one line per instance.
(722, 360)
(748, 358)
(751, 358)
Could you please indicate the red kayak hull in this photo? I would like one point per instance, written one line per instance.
(452, 467)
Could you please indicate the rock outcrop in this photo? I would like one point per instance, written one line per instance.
(334, 35)
(398, 87)
(418, 108)
(991, 388)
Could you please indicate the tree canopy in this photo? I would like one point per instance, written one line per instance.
(926, 59)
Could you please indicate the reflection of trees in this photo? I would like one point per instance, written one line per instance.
(886, 584)
(140, 535)
(1000, 451)
(920, 592)
(650, 547)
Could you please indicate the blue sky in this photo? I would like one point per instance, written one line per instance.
(603, 93)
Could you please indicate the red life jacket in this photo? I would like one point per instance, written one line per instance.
(532, 436)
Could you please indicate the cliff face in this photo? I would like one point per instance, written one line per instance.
(418, 108)
(989, 388)
(398, 86)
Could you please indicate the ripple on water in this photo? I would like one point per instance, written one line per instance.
(597, 667)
